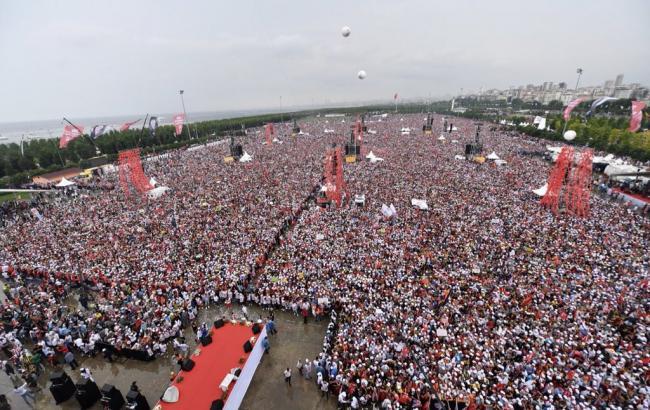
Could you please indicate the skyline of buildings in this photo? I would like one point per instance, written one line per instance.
(561, 91)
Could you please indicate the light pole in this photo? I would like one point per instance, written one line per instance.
(181, 92)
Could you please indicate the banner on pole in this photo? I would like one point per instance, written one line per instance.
(69, 133)
(128, 125)
(178, 123)
(573, 104)
(637, 115)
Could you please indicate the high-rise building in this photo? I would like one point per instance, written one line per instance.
(619, 80)
(562, 86)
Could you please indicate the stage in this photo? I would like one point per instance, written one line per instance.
(199, 387)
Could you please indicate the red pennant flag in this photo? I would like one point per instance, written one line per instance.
(128, 125)
(637, 115)
(573, 104)
(69, 133)
(178, 123)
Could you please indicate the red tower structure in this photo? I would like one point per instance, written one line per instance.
(556, 179)
(579, 191)
(333, 177)
(130, 168)
(269, 132)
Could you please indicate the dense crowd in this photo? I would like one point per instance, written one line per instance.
(485, 298)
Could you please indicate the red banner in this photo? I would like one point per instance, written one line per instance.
(637, 115)
(573, 104)
(128, 125)
(178, 123)
(69, 133)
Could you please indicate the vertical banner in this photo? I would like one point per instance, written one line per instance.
(178, 123)
(573, 104)
(69, 133)
(637, 115)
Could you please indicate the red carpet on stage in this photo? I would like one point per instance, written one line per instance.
(200, 386)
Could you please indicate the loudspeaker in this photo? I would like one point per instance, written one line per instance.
(111, 397)
(256, 328)
(187, 365)
(218, 323)
(59, 377)
(206, 340)
(217, 405)
(248, 347)
(237, 150)
(136, 401)
(87, 393)
(352, 149)
(63, 388)
(468, 149)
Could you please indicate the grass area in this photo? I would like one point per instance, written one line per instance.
(12, 196)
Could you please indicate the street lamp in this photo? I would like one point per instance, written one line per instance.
(579, 71)
(181, 92)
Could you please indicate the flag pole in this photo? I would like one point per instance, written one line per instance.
(81, 133)
(566, 122)
(144, 123)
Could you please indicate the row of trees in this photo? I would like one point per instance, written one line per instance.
(43, 155)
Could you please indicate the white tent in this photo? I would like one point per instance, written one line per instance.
(541, 191)
(373, 158)
(420, 203)
(64, 183)
(152, 181)
(441, 138)
(459, 157)
(493, 156)
(500, 162)
(542, 124)
(388, 211)
(405, 131)
(246, 157)
(373, 132)
(613, 169)
(157, 192)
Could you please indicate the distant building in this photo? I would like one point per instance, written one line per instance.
(619, 80)
(56, 176)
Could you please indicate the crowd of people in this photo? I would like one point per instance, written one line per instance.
(485, 297)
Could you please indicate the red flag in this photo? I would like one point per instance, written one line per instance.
(395, 96)
(637, 115)
(178, 123)
(69, 133)
(573, 104)
(127, 125)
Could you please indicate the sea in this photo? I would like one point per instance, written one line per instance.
(13, 132)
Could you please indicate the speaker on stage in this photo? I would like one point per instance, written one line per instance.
(136, 401)
(256, 328)
(248, 347)
(187, 365)
(87, 393)
(62, 387)
(111, 397)
(217, 405)
(206, 340)
(218, 323)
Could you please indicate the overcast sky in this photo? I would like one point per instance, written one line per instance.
(99, 58)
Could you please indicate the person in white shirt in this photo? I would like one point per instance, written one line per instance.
(287, 376)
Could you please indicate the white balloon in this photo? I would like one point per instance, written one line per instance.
(361, 75)
(569, 135)
(345, 31)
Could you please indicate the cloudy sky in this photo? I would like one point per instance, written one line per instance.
(98, 58)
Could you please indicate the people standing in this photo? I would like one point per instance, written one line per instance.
(70, 359)
(287, 376)
(23, 391)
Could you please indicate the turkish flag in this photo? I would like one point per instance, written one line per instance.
(178, 123)
(637, 115)
(128, 125)
(69, 133)
(573, 104)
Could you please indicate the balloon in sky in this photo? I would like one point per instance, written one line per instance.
(361, 75)
(569, 135)
(345, 31)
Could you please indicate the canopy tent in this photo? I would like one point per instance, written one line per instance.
(152, 181)
(64, 183)
(613, 169)
(459, 157)
(541, 191)
(441, 138)
(373, 158)
(500, 162)
(157, 192)
(420, 203)
(246, 157)
(493, 156)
